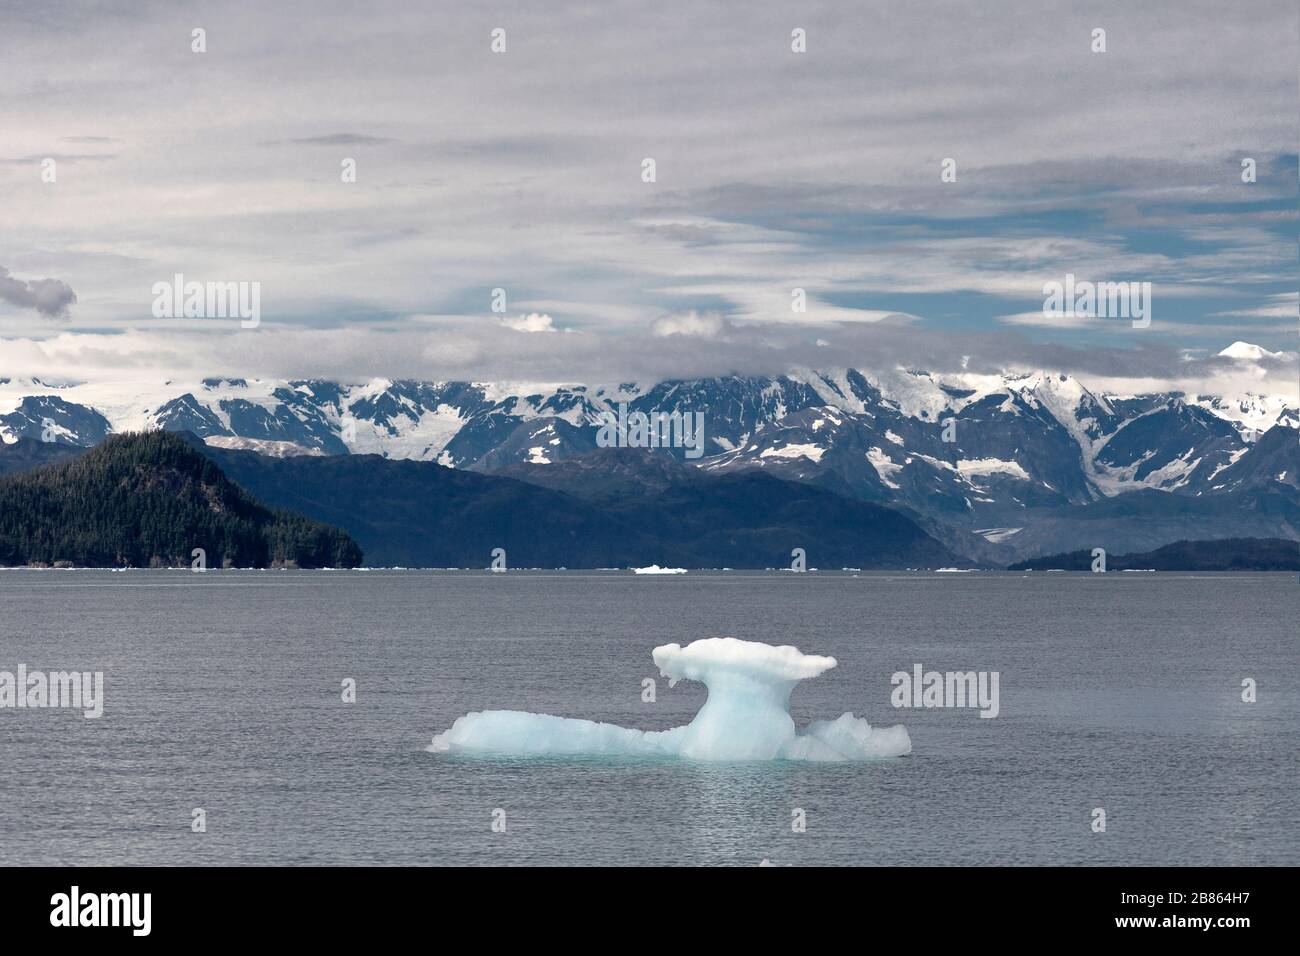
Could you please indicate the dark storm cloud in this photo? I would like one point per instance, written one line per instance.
(50, 297)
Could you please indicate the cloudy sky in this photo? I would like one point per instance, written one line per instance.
(523, 170)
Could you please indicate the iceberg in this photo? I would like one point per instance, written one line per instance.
(746, 716)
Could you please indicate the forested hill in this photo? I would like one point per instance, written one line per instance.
(149, 500)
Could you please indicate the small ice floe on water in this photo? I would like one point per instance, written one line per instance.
(655, 569)
(953, 570)
(746, 716)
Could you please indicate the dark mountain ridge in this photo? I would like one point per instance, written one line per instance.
(27, 453)
(997, 470)
(420, 514)
(631, 507)
(1230, 554)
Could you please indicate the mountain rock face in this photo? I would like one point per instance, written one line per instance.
(50, 418)
(27, 453)
(997, 467)
(150, 500)
(421, 514)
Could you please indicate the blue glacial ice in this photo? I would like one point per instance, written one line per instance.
(746, 716)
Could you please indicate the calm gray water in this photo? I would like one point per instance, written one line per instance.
(1120, 691)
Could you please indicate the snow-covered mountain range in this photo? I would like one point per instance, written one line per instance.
(986, 455)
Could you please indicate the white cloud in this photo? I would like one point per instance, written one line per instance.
(469, 348)
(701, 324)
(1063, 320)
(532, 322)
(1283, 306)
(530, 178)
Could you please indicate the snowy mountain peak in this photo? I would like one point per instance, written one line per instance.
(1247, 352)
